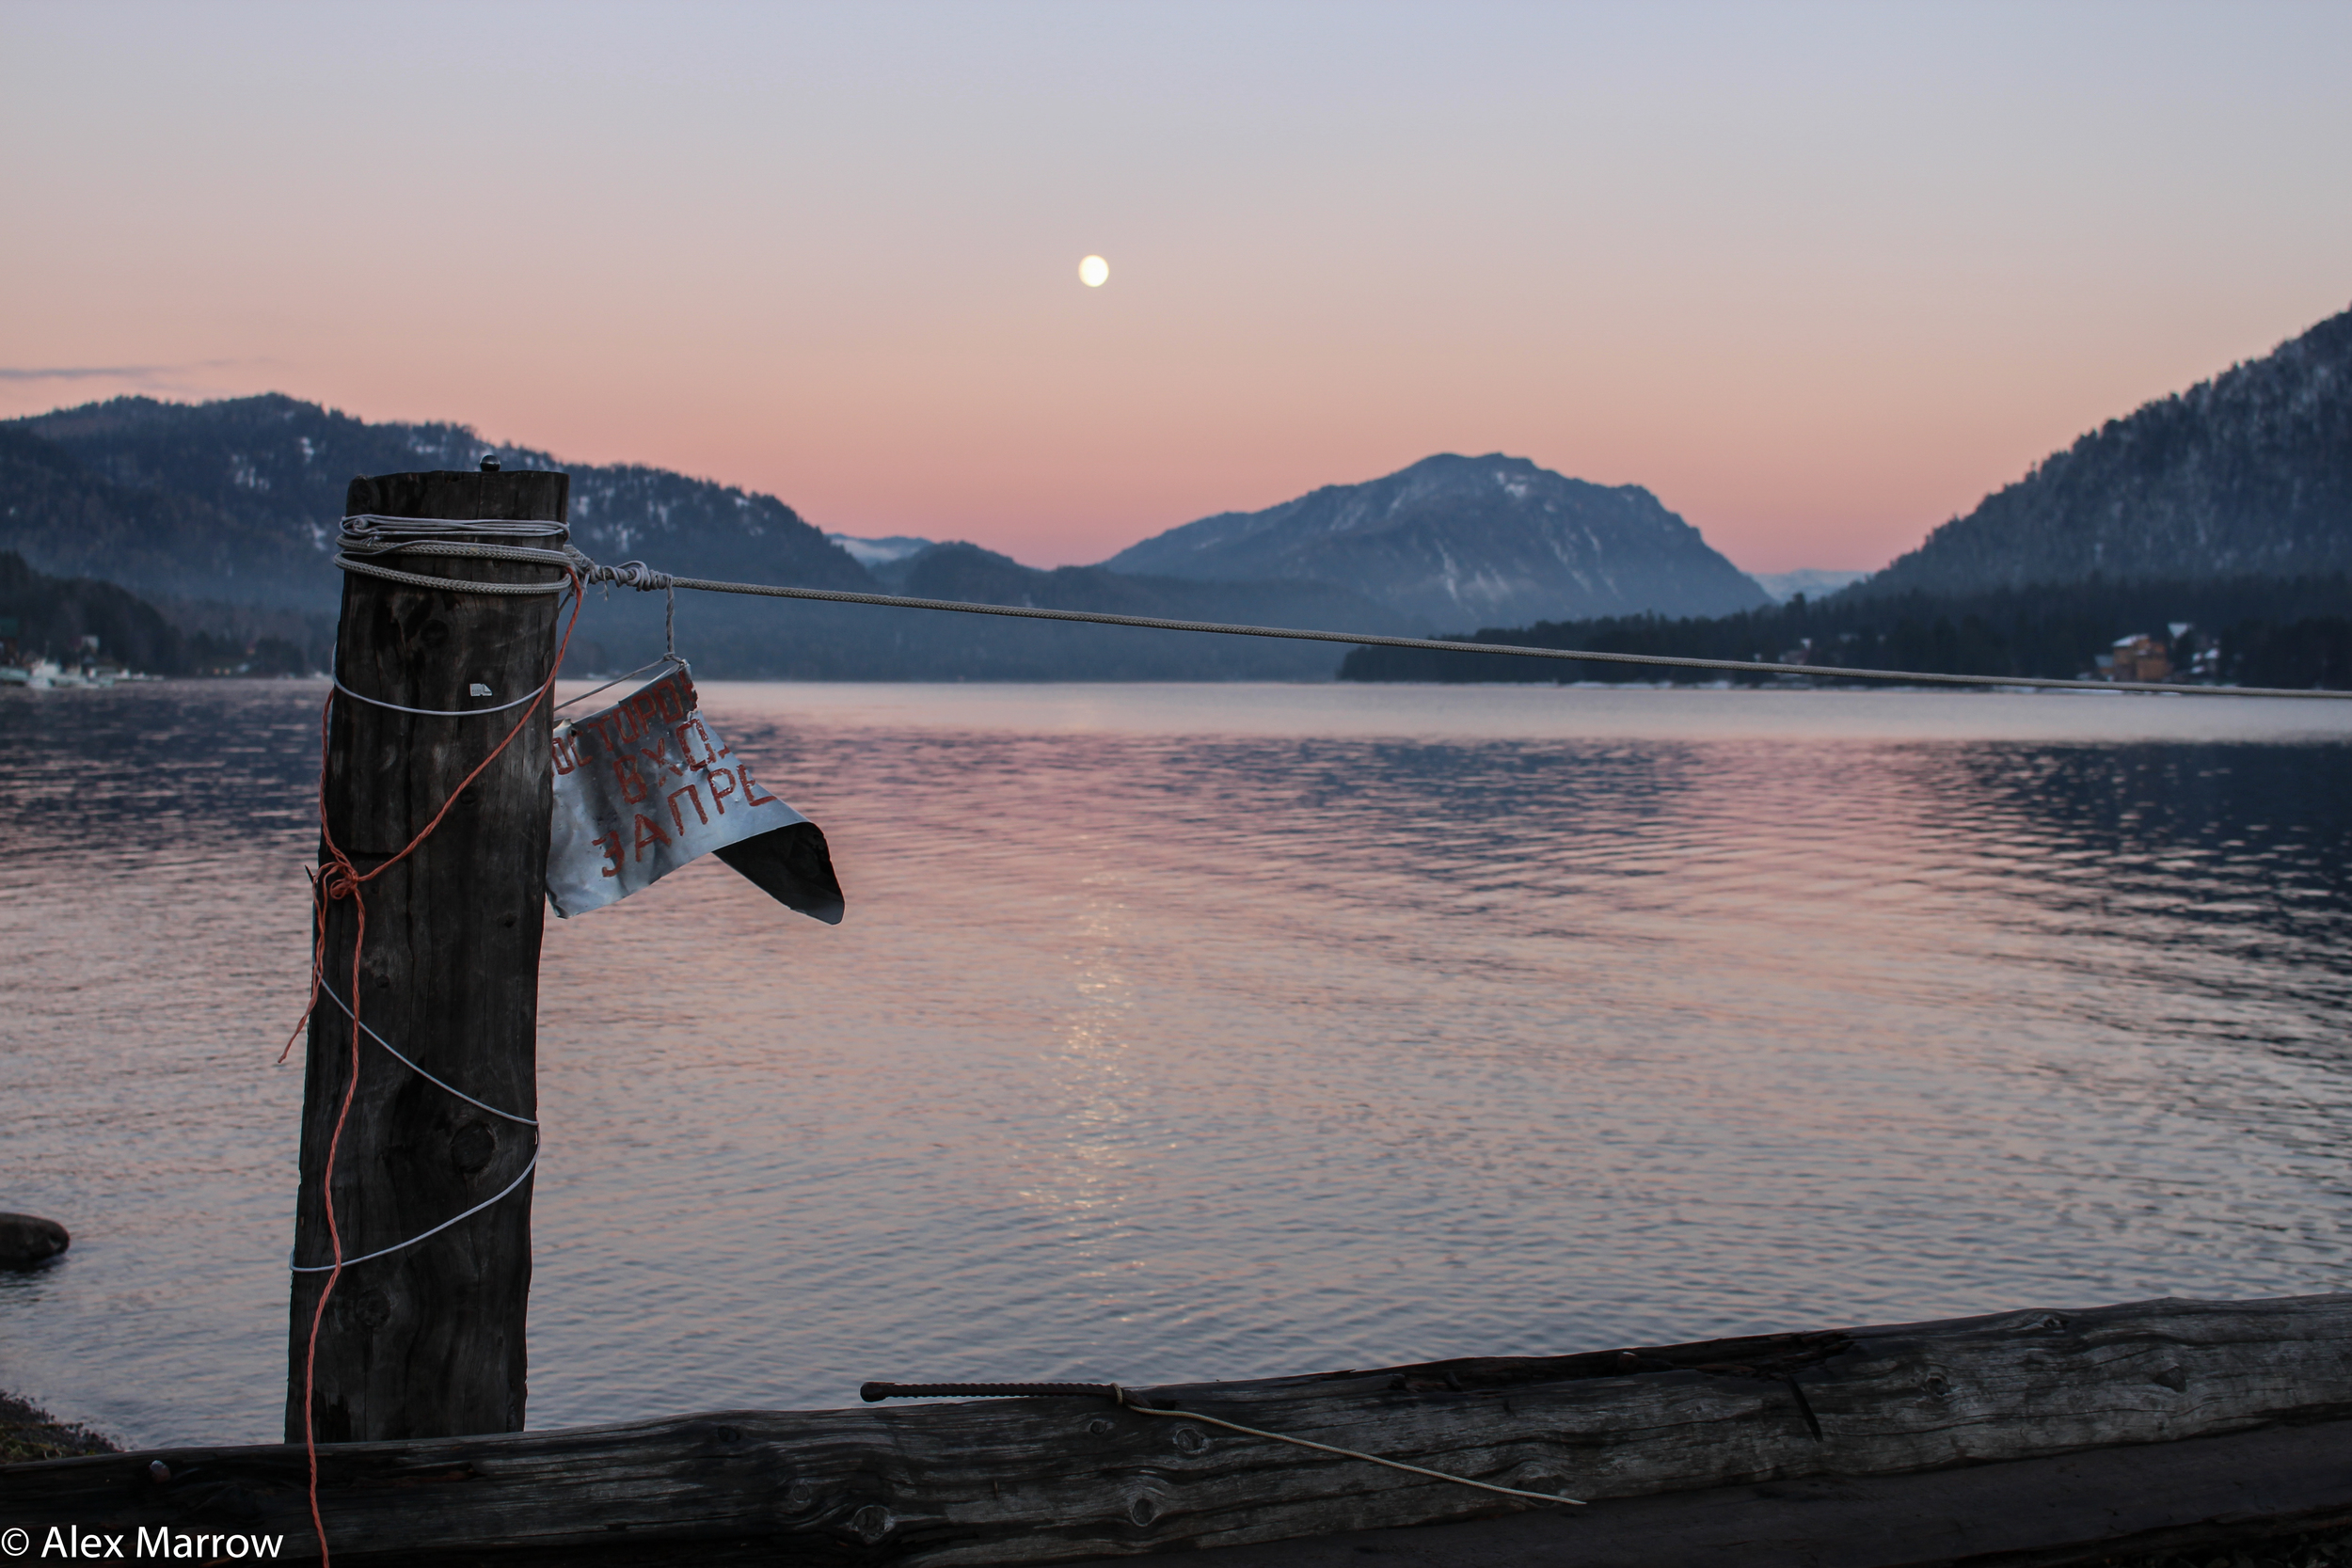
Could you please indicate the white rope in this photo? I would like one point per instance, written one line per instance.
(1028, 612)
(628, 574)
(401, 1247)
(636, 574)
(328, 991)
(666, 658)
(1349, 1453)
(406, 1061)
(533, 553)
(452, 585)
(367, 535)
(370, 525)
(430, 712)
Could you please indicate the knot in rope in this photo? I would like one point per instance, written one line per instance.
(338, 879)
(628, 574)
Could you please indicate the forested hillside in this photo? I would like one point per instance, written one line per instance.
(2247, 475)
(223, 514)
(49, 617)
(2265, 632)
(238, 500)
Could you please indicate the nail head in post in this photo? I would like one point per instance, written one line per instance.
(489, 461)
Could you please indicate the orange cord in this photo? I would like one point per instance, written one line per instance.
(339, 879)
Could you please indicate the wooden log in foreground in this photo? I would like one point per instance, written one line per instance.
(2241, 1493)
(1052, 1479)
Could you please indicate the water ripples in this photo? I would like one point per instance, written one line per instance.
(1221, 1031)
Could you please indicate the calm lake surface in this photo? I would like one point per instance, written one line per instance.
(1191, 1032)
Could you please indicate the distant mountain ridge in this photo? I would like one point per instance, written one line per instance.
(1812, 581)
(984, 648)
(237, 500)
(223, 514)
(870, 553)
(1455, 543)
(2246, 474)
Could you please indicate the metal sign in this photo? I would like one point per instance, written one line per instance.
(646, 785)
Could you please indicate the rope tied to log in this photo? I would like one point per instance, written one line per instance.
(338, 878)
(874, 1392)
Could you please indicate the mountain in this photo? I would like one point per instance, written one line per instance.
(68, 519)
(881, 552)
(1453, 542)
(43, 616)
(2246, 474)
(988, 648)
(237, 500)
(223, 516)
(2247, 631)
(1812, 581)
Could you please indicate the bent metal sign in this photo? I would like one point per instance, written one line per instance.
(643, 786)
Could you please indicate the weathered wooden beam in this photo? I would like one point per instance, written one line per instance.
(2186, 1497)
(1052, 1479)
(429, 1342)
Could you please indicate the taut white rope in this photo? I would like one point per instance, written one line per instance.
(430, 712)
(1028, 612)
(328, 991)
(666, 658)
(1348, 1453)
(404, 1060)
(375, 537)
(872, 1392)
(403, 1246)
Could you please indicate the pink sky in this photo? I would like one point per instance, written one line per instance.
(1820, 277)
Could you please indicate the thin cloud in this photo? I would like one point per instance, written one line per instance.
(110, 372)
(126, 373)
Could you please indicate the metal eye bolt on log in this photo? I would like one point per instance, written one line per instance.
(428, 1340)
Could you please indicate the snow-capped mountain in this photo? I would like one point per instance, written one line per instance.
(881, 552)
(1459, 543)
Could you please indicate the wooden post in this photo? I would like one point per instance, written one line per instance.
(429, 1340)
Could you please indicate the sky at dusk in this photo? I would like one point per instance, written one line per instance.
(1818, 276)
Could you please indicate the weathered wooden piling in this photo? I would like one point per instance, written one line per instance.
(428, 1341)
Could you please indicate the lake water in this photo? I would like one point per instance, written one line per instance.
(1193, 1032)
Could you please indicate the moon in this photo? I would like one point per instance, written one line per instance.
(1092, 270)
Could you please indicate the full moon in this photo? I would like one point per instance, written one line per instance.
(1092, 270)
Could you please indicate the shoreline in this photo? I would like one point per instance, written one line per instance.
(28, 1432)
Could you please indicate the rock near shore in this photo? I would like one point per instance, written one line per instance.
(27, 1239)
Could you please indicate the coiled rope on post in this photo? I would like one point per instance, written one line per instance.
(365, 535)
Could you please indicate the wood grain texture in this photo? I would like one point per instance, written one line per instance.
(2189, 1497)
(429, 1342)
(1053, 1480)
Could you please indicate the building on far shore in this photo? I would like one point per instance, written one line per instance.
(2137, 658)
